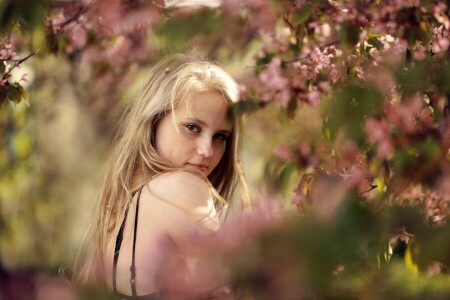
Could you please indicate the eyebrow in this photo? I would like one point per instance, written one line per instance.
(195, 120)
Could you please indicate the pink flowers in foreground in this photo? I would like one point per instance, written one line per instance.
(199, 265)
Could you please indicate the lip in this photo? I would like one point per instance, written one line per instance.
(200, 167)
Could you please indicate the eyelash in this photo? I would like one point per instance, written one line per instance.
(192, 127)
(196, 129)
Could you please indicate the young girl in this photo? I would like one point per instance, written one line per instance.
(173, 164)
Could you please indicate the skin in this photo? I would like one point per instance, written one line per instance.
(195, 136)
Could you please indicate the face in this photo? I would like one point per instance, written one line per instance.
(198, 136)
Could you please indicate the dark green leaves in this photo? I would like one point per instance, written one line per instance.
(349, 35)
(348, 110)
(16, 93)
(29, 14)
(302, 15)
(242, 107)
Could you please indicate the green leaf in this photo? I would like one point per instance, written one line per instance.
(327, 130)
(302, 15)
(403, 162)
(443, 79)
(14, 94)
(22, 92)
(285, 174)
(266, 59)
(3, 94)
(348, 110)
(179, 31)
(349, 34)
(374, 41)
(2, 67)
(242, 107)
(412, 77)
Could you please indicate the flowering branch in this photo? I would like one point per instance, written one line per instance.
(284, 62)
(17, 63)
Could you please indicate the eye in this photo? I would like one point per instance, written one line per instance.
(221, 137)
(192, 127)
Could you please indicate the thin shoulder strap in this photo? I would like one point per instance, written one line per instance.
(133, 258)
(119, 239)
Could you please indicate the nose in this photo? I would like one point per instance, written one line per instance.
(205, 147)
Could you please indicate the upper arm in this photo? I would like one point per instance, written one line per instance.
(185, 201)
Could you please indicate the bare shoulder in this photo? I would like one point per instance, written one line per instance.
(181, 187)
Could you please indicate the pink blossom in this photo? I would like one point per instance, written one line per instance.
(405, 115)
(231, 7)
(283, 152)
(378, 133)
(314, 98)
(272, 77)
(283, 97)
(401, 235)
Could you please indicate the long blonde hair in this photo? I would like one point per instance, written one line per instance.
(134, 160)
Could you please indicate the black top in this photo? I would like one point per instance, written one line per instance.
(119, 238)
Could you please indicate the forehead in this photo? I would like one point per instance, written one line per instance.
(209, 107)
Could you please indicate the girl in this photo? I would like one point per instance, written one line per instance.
(174, 162)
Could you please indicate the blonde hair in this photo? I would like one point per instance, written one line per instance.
(134, 159)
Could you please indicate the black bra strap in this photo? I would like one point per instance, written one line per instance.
(133, 258)
(119, 239)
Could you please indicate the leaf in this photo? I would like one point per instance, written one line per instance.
(22, 92)
(412, 77)
(14, 94)
(266, 59)
(285, 174)
(242, 107)
(443, 78)
(22, 145)
(326, 130)
(3, 94)
(2, 67)
(348, 109)
(410, 253)
(302, 15)
(179, 31)
(375, 42)
(349, 34)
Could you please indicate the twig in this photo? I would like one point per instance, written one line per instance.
(298, 58)
(74, 18)
(18, 62)
(286, 20)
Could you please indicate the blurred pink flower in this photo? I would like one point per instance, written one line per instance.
(378, 133)
(283, 152)
(314, 98)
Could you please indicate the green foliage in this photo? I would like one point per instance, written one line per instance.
(302, 15)
(413, 77)
(28, 14)
(180, 32)
(348, 110)
(16, 93)
(349, 35)
(244, 107)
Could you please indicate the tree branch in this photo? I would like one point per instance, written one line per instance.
(74, 18)
(18, 62)
(298, 58)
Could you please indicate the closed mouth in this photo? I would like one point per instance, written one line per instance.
(199, 167)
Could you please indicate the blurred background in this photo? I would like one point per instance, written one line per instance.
(346, 114)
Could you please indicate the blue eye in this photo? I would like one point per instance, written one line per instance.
(192, 127)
